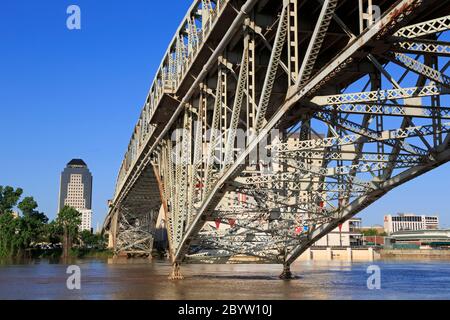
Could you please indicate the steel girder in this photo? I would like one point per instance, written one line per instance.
(135, 232)
(262, 161)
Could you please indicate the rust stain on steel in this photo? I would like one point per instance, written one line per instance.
(397, 12)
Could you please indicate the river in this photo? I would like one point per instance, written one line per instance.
(103, 279)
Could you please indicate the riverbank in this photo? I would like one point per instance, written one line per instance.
(412, 254)
(345, 254)
(57, 253)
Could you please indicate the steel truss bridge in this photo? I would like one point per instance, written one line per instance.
(269, 123)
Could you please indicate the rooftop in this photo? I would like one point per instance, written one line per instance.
(421, 234)
(77, 163)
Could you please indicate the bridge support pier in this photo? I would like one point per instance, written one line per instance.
(286, 274)
(176, 272)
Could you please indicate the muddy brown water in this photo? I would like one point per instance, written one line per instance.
(144, 280)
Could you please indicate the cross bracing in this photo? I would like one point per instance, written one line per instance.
(269, 123)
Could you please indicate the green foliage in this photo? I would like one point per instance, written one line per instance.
(89, 240)
(9, 198)
(68, 220)
(53, 232)
(32, 224)
(31, 230)
(91, 253)
(27, 206)
(21, 234)
(18, 233)
(39, 216)
(8, 235)
(369, 232)
(373, 233)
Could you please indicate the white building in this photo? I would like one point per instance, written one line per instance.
(410, 222)
(348, 235)
(86, 219)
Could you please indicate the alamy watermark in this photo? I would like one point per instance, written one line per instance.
(226, 150)
(374, 280)
(369, 14)
(73, 21)
(74, 280)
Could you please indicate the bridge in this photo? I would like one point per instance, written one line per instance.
(270, 123)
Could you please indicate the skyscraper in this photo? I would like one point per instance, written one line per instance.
(76, 191)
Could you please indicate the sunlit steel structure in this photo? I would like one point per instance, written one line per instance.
(280, 120)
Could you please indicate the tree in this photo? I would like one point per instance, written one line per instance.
(18, 233)
(39, 216)
(87, 239)
(92, 241)
(370, 232)
(32, 229)
(373, 233)
(9, 198)
(31, 224)
(69, 220)
(8, 234)
(53, 232)
(27, 206)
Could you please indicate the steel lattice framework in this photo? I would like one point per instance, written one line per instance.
(269, 123)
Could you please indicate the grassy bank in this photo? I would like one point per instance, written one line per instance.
(74, 253)
(91, 253)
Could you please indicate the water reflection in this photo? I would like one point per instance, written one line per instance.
(144, 279)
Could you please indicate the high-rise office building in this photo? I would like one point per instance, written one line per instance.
(76, 191)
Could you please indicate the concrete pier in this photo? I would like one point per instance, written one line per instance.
(340, 254)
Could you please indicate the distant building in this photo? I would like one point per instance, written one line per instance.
(86, 219)
(76, 191)
(374, 240)
(410, 222)
(422, 238)
(348, 235)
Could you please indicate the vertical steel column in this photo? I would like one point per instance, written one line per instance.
(433, 62)
(272, 69)
(215, 133)
(223, 117)
(251, 85)
(237, 105)
(293, 48)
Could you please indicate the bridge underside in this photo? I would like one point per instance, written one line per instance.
(132, 224)
(272, 122)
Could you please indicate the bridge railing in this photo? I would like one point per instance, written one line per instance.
(189, 38)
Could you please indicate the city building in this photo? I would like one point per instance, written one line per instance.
(76, 191)
(86, 219)
(347, 235)
(409, 222)
(423, 239)
(374, 240)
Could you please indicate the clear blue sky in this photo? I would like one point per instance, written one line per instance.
(78, 94)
